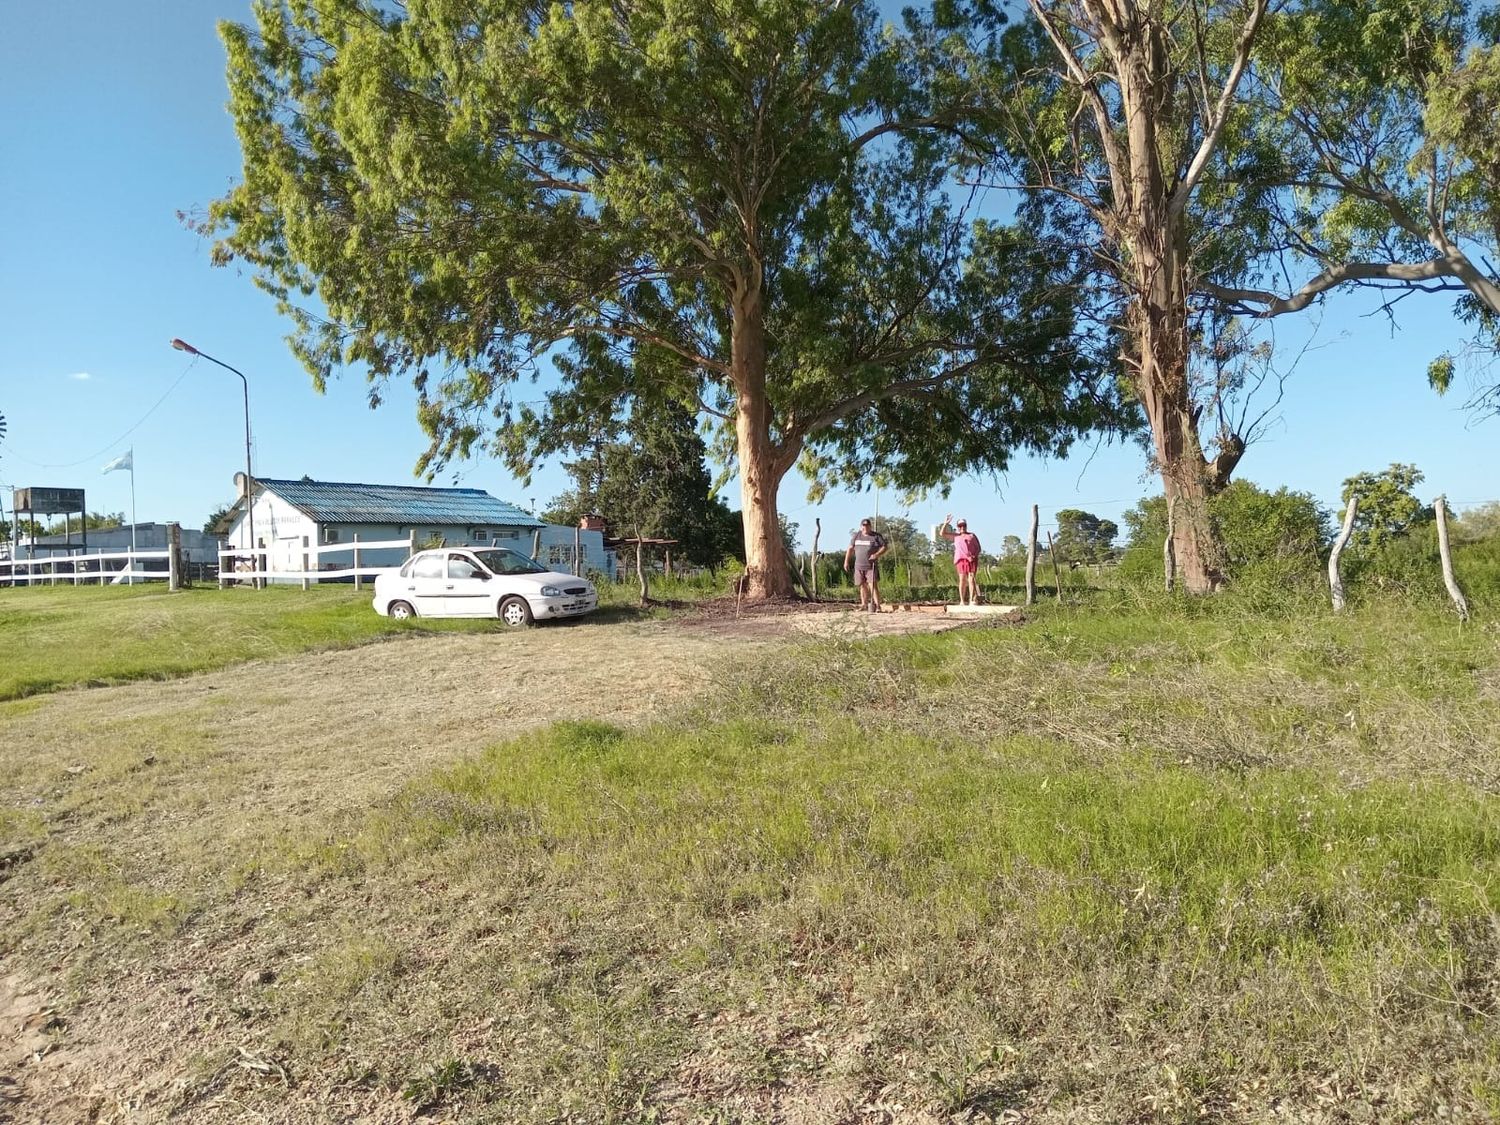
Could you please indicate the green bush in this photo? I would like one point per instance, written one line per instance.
(1272, 540)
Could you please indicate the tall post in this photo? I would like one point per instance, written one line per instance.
(578, 551)
(817, 531)
(1335, 580)
(640, 569)
(306, 583)
(131, 454)
(1460, 603)
(249, 475)
(1031, 557)
(1168, 554)
(174, 557)
(357, 580)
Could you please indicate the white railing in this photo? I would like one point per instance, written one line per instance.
(85, 570)
(242, 564)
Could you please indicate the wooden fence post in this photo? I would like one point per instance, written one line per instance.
(1031, 558)
(174, 556)
(305, 583)
(358, 582)
(578, 551)
(1335, 580)
(1168, 554)
(640, 570)
(536, 543)
(1056, 570)
(1460, 603)
(817, 531)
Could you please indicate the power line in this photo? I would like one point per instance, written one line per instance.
(105, 449)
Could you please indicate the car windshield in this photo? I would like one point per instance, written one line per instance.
(505, 561)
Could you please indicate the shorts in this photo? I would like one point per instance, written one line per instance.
(966, 566)
(865, 574)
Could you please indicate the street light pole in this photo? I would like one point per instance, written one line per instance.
(249, 477)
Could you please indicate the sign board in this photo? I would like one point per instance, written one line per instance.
(48, 501)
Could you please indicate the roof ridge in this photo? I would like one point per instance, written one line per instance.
(362, 484)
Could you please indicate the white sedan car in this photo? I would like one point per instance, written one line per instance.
(481, 582)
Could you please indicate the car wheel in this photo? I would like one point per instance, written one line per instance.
(515, 612)
(401, 611)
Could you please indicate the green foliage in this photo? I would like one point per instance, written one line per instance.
(1478, 524)
(212, 525)
(1390, 173)
(908, 543)
(1388, 509)
(651, 479)
(1269, 537)
(100, 521)
(1083, 537)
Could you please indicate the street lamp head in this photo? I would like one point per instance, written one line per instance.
(183, 346)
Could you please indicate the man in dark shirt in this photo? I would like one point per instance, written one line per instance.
(865, 547)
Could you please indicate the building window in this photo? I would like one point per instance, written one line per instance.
(330, 535)
(479, 535)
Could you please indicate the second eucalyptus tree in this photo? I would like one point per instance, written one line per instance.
(743, 207)
(1111, 117)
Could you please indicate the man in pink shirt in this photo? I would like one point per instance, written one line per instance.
(965, 558)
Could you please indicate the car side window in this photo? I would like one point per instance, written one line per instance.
(428, 566)
(460, 567)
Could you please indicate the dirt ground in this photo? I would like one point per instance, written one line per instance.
(273, 747)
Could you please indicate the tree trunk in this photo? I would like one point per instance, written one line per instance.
(1460, 603)
(1154, 239)
(762, 464)
(1162, 358)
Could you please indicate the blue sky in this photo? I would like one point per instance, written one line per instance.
(114, 121)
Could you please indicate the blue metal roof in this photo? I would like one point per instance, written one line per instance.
(331, 502)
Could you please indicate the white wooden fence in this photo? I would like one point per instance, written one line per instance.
(242, 564)
(110, 567)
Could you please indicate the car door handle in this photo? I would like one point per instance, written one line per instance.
(447, 587)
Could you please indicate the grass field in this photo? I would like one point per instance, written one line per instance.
(1127, 862)
(65, 637)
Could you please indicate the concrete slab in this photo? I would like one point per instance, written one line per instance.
(980, 610)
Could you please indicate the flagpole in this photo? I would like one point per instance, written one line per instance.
(131, 580)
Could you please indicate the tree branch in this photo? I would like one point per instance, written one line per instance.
(1263, 304)
(1114, 159)
(1184, 190)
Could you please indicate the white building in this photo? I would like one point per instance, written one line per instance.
(196, 546)
(292, 515)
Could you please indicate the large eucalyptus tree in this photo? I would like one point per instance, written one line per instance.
(744, 207)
